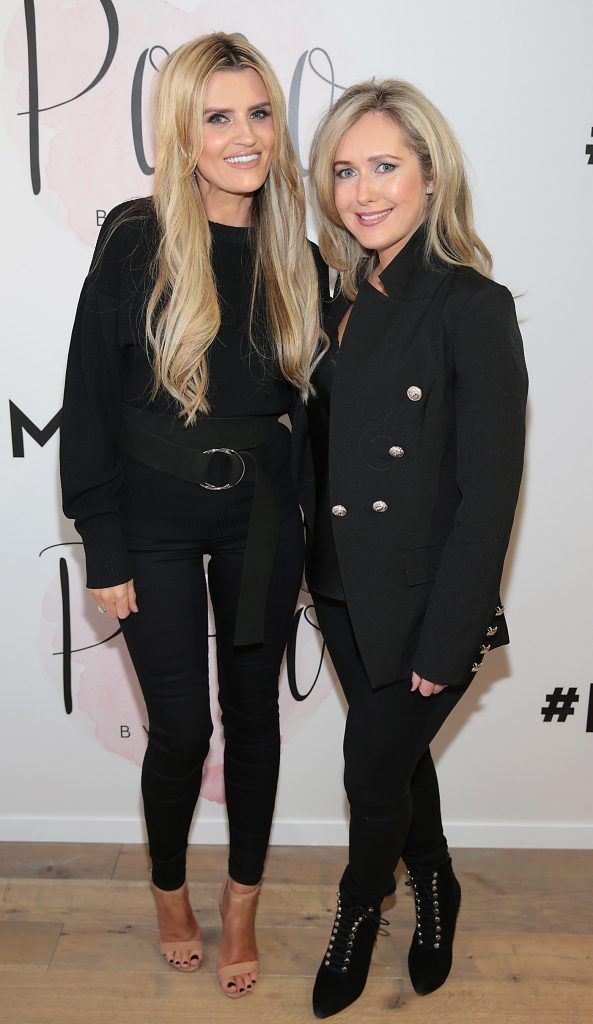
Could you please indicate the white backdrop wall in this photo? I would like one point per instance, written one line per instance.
(516, 81)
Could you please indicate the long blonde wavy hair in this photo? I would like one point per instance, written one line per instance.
(450, 233)
(183, 313)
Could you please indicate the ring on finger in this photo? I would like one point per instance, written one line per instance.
(102, 610)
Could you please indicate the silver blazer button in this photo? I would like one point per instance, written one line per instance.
(338, 510)
(380, 506)
(414, 393)
(396, 451)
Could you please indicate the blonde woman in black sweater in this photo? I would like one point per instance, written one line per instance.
(196, 329)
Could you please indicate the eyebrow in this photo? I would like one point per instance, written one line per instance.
(229, 110)
(371, 159)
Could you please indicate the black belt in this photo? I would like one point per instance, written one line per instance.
(242, 443)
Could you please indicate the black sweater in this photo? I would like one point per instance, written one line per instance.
(109, 495)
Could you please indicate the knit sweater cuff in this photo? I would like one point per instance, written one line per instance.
(107, 559)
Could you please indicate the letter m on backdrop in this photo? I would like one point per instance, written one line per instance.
(19, 423)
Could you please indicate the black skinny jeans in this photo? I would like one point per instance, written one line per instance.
(389, 774)
(168, 643)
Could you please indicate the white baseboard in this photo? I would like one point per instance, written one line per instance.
(514, 836)
(500, 835)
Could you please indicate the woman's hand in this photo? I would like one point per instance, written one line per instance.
(118, 601)
(425, 686)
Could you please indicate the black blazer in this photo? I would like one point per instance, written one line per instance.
(436, 369)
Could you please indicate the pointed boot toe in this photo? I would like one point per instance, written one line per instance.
(342, 976)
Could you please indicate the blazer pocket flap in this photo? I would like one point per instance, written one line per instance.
(421, 564)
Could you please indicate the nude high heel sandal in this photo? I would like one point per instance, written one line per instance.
(185, 955)
(228, 972)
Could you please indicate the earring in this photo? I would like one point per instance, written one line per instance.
(429, 190)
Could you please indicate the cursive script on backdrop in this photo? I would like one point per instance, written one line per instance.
(103, 78)
(99, 687)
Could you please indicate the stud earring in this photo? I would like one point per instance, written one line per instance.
(429, 190)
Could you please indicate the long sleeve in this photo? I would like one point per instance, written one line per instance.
(490, 400)
(90, 468)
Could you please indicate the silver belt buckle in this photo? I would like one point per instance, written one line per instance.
(224, 487)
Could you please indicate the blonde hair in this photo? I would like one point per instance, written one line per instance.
(450, 234)
(183, 314)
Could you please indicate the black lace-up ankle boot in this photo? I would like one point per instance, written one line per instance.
(343, 973)
(437, 895)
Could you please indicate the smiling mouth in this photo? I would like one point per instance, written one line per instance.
(242, 161)
(370, 219)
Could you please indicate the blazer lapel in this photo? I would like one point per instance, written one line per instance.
(391, 343)
(409, 277)
(411, 286)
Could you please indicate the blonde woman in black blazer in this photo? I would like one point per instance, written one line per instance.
(417, 463)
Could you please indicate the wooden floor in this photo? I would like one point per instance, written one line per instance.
(77, 940)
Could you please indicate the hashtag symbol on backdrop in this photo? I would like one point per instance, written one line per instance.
(560, 704)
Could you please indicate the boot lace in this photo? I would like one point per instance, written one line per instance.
(347, 921)
(426, 895)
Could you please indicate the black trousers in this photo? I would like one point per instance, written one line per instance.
(389, 774)
(168, 643)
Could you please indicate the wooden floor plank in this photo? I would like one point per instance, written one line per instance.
(283, 952)
(297, 951)
(324, 864)
(316, 864)
(118, 997)
(133, 862)
(27, 943)
(58, 860)
(566, 909)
